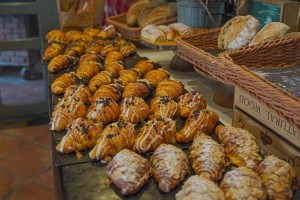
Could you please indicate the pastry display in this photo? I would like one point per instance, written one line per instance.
(170, 88)
(155, 132)
(88, 69)
(198, 187)
(108, 48)
(94, 47)
(170, 166)
(115, 137)
(128, 171)
(240, 146)
(140, 88)
(90, 57)
(127, 49)
(207, 157)
(145, 10)
(144, 66)
(189, 102)
(80, 92)
(115, 67)
(61, 62)
(81, 135)
(73, 34)
(108, 32)
(199, 121)
(157, 75)
(102, 78)
(53, 50)
(93, 32)
(112, 91)
(75, 48)
(126, 77)
(60, 84)
(54, 33)
(113, 56)
(163, 106)
(278, 176)
(133, 109)
(243, 183)
(58, 39)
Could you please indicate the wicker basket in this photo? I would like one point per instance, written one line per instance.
(131, 33)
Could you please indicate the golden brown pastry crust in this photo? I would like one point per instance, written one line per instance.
(79, 92)
(108, 32)
(61, 62)
(163, 106)
(115, 67)
(61, 83)
(169, 88)
(76, 48)
(134, 11)
(127, 49)
(93, 32)
(113, 91)
(140, 89)
(102, 78)
(52, 51)
(94, 47)
(155, 76)
(126, 77)
(54, 33)
(89, 57)
(189, 102)
(88, 69)
(144, 66)
(113, 56)
(108, 48)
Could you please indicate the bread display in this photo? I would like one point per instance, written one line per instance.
(181, 28)
(163, 106)
(278, 176)
(79, 92)
(189, 102)
(169, 32)
(126, 77)
(61, 62)
(88, 69)
(60, 84)
(112, 91)
(140, 88)
(155, 76)
(108, 32)
(115, 68)
(146, 10)
(102, 78)
(134, 11)
(128, 171)
(170, 88)
(170, 166)
(153, 34)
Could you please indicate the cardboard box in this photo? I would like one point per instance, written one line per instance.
(268, 141)
(271, 11)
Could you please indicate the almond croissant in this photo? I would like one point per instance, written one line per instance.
(52, 51)
(115, 67)
(144, 66)
(61, 83)
(81, 135)
(141, 89)
(199, 121)
(113, 91)
(134, 110)
(169, 88)
(61, 62)
(126, 77)
(80, 92)
(189, 102)
(102, 78)
(113, 56)
(115, 137)
(163, 106)
(155, 76)
(88, 69)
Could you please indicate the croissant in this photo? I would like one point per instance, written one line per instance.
(127, 49)
(109, 32)
(83, 37)
(103, 110)
(170, 166)
(189, 102)
(243, 183)
(54, 33)
(155, 132)
(61, 62)
(198, 187)
(72, 33)
(88, 69)
(169, 88)
(102, 78)
(89, 57)
(65, 112)
(115, 137)
(108, 48)
(61, 83)
(93, 32)
(94, 48)
(278, 176)
(58, 39)
(141, 88)
(81, 135)
(163, 106)
(119, 42)
(199, 121)
(113, 56)
(155, 76)
(113, 91)
(144, 66)
(207, 157)
(76, 48)
(134, 110)
(80, 92)
(99, 41)
(115, 67)
(240, 146)
(52, 51)
(128, 171)
(126, 77)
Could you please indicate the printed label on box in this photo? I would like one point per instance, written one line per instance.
(266, 12)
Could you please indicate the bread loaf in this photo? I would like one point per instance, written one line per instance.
(273, 29)
(181, 28)
(153, 34)
(146, 10)
(169, 32)
(134, 11)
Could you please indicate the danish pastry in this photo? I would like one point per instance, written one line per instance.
(189, 102)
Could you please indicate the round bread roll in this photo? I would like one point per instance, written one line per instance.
(238, 32)
(134, 11)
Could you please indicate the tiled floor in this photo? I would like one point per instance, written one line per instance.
(26, 164)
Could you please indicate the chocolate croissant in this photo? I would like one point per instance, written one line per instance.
(61, 83)
(113, 91)
(103, 110)
(108, 48)
(94, 47)
(198, 187)
(71, 35)
(189, 102)
(199, 121)
(144, 66)
(81, 135)
(54, 33)
(155, 132)
(169, 88)
(58, 39)
(169, 165)
(52, 51)
(93, 32)
(115, 137)
(240, 146)
(102, 78)
(88, 69)
(115, 67)
(140, 88)
(89, 57)
(128, 171)
(134, 110)
(163, 106)
(61, 62)
(278, 176)
(155, 76)
(76, 48)
(127, 49)
(126, 77)
(113, 56)
(243, 183)
(207, 157)
(119, 42)
(80, 92)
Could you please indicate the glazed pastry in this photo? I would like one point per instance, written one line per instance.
(115, 137)
(52, 51)
(102, 78)
(169, 165)
(103, 110)
(278, 176)
(100, 41)
(61, 83)
(134, 110)
(197, 187)
(119, 42)
(115, 67)
(169, 88)
(81, 135)
(128, 171)
(144, 66)
(126, 77)
(59, 39)
(93, 32)
(163, 106)
(155, 132)
(207, 157)
(155, 76)
(65, 112)
(141, 88)
(109, 48)
(83, 37)
(89, 57)
(240, 146)
(54, 33)
(127, 49)
(89, 69)
(109, 32)
(61, 62)
(189, 102)
(80, 92)
(243, 183)
(199, 121)
(72, 33)
(113, 91)
(76, 48)
(113, 56)
(94, 48)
